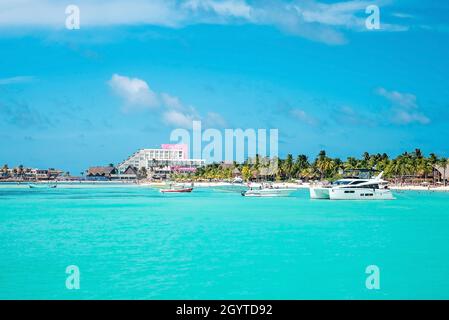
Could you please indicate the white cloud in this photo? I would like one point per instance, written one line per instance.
(407, 117)
(135, 92)
(178, 114)
(92, 12)
(171, 102)
(138, 96)
(14, 80)
(404, 107)
(178, 119)
(403, 15)
(310, 19)
(336, 14)
(304, 116)
(405, 100)
(229, 8)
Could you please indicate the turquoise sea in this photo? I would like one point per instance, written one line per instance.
(135, 243)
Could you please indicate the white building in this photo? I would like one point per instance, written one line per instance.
(170, 158)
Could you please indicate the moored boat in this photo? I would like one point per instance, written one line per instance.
(266, 191)
(362, 187)
(178, 188)
(42, 186)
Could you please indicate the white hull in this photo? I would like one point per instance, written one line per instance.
(360, 194)
(42, 186)
(267, 193)
(319, 193)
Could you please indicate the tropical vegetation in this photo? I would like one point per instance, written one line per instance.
(404, 167)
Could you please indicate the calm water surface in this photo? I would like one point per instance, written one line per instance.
(135, 243)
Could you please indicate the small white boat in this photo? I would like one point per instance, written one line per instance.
(237, 180)
(266, 191)
(42, 186)
(177, 189)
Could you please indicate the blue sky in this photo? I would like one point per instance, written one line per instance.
(75, 98)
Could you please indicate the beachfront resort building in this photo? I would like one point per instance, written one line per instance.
(101, 173)
(170, 158)
(22, 173)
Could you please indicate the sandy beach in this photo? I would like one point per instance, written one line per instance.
(114, 184)
(293, 185)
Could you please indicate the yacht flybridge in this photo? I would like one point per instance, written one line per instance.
(363, 186)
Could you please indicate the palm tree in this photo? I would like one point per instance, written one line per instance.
(308, 173)
(321, 155)
(21, 171)
(391, 170)
(257, 162)
(288, 166)
(325, 166)
(301, 163)
(404, 165)
(5, 170)
(350, 164)
(382, 163)
(365, 159)
(143, 172)
(278, 167)
(246, 173)
(338, 165)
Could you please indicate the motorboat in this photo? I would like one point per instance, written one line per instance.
(42, 186)
(177, 189)
(362, 187)
(266, 191)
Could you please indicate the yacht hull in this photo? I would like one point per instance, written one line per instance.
(186, 190)
(267, 193)
(360, 194)
(319, 193)
(41, 186)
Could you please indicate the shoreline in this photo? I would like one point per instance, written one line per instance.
(118, 184)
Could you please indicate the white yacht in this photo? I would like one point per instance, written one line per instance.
(354, 188)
